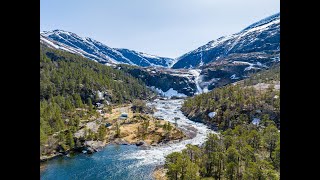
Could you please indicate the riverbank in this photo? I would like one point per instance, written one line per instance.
(49, 157)
(170, 110)
(137, 129)
(159, 173)
(118, 162)
(132, 161)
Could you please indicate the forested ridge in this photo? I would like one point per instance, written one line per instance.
(241, 149)
(239, 103)
(245, 152)
(70, 85)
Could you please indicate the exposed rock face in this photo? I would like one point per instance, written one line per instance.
(90, 150)
(120, 141)
(164, 79)
(49, 157)
(140, 143)
(220, 62)
(94, 145)
(235, 68)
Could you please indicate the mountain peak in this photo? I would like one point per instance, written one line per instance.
(97, 51)
(264, 21)
(262, 36)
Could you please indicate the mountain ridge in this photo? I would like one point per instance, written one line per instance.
(99, 52)
(261, 36)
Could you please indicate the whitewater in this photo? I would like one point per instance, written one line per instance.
(169, 110)
(122, 162)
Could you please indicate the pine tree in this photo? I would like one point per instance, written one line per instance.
(68, 104)
(254, 139)
(192, 171)
(270, 138)
(43, 136)
(228, 141)
(102, 132)
(118, 133)
(230, 172)
(78, 101)
(276, 155)
(70, 140)
(172, 166)
(89, 103)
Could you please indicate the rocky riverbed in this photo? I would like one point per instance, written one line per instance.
(131, 160)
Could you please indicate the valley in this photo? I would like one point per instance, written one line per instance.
(131, 158)
(225, 60)
(113, 113)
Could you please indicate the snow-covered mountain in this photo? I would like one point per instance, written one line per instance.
(262, 37)
(99, 52)
(220, 62)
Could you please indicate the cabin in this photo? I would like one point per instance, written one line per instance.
(108, 124)
(123, 116)
(99, 105)
(101, 111)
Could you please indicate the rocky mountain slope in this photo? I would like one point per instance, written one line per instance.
(262, 37)
(218, 63)
(233, 58)
(99, 52)
(166, 82)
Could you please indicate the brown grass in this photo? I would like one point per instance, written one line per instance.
(160, 174)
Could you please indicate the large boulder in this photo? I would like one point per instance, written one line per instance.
(90, 150)
(120, 141)
(140, 143)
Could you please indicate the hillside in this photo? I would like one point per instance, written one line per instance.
(220, 62)
(70, 88)
(247, 114)
(169, 82)
(244, 152)
(254, 99)
(262, 36)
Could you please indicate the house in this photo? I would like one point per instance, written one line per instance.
(123, 116)
(99, 105)
(108, 124)
(101, 111)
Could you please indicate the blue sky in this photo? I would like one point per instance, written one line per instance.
(166, 28)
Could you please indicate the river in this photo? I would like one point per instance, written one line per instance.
(122, 162)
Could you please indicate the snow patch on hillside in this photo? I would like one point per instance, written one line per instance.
(212, 114)
(234, 76)
(255, 121)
